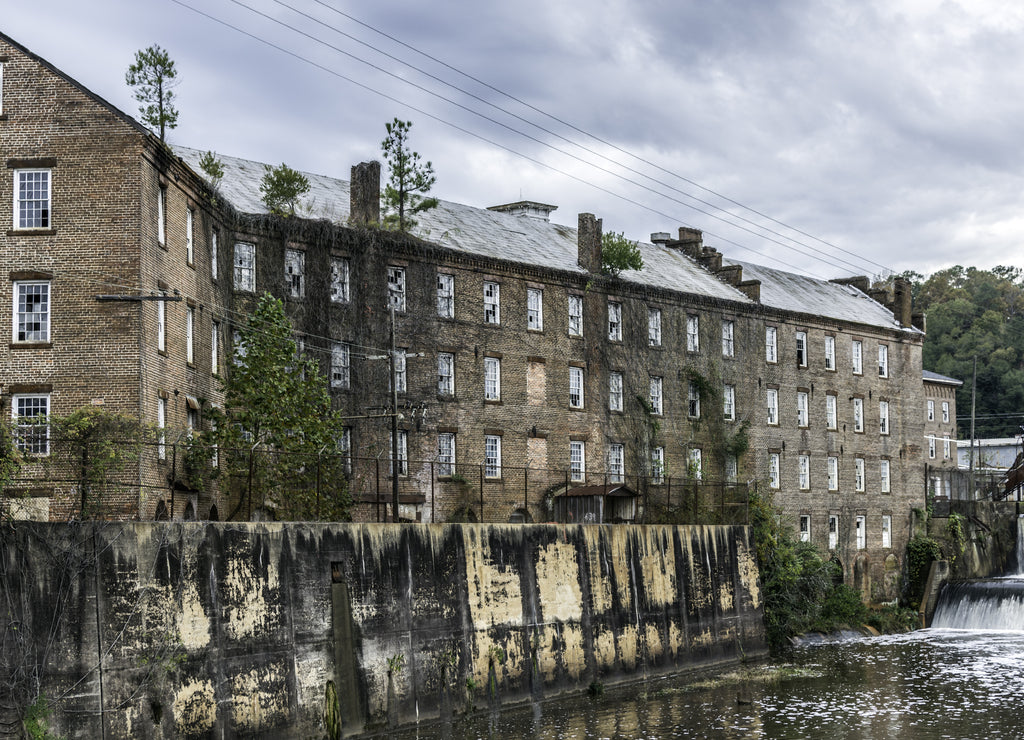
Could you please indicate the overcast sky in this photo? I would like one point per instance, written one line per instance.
(875, 134)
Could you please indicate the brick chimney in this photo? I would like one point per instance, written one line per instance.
(364, 194)
(902, 303)
(588, 240)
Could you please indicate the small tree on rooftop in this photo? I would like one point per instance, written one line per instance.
(281, 188)
(213, 168)
(154, 78)
(409, 179)
(619, 253)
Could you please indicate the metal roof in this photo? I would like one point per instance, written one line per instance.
(936, 378)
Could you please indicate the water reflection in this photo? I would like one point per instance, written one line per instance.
(937, 683)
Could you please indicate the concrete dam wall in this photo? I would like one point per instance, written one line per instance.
(293, 630)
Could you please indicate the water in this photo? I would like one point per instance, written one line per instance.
(935, 683)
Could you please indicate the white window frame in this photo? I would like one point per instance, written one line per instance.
(534, 309)
(771, 345)
(883, 361)
(833, 531)
(772, 405)
(857, 356)
(492, 456)
(858, 415)
(340, 275)
(616, 462)
(1, 88)
(945, 412)
(161, 216)
(245, 267)
(931, 410)
(830, 353)
(945, 446)
(615, 391)
(161, 428)
(732, 468)
(402, 457)
(445, 454)
(886, 531)
(805, 527)
(492, 379)
(831, 411)
(885, 476)
(41, 206)
(575, 308)
(161, 322)
(859, 484)
(492, 303)
(401, 379)
(804, 468)
(215, 347)
(654, 327)
(190, 245)
(729, 402)
(575, 387)
(801, 349)
(214, 247)
(693, 400)
(614, 321)
(657, 465)
(802, 412)
(774, 470)
(295, 272)
(883, 418)
(396, 287)
(341, 365)
(445, 295)
(656, 395)
(728, 338)
(860, 526)
(577, 460)
(190, 331)
(931, 447)
(31, 438)
(692, 333)
(446, 373)
(695, 463)
(39, 320)
(832, 464)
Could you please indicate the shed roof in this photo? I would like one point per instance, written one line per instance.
(931, 377)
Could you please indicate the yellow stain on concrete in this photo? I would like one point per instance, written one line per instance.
(618, 540)
(259, 698)
(558, 583)
(574, 656)
(604, 648)
(652, 639)
(746, 566)
(629, 643)
(600, 583)
(547, 655)
(251, 606)
(193, 624)
(701, 594)
(657, 566)
(194, 707)
(702, 639)
(494, 593)
(675, 639)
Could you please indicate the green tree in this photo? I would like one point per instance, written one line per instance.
(408, 181)
(154, 78)
(281, 188)
(619, 253)
(277, 437)
(10, 457)
(213, 168)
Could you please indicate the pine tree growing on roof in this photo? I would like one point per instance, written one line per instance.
(408, 181)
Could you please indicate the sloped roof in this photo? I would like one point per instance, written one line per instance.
(931, 377)
(611, 489)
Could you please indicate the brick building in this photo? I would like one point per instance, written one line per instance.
(532, 385)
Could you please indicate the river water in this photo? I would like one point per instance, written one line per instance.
(935, 683)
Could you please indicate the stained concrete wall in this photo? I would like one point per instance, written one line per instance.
(197, 629)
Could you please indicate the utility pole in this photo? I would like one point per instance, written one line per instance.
(974, 388)
(394, 421)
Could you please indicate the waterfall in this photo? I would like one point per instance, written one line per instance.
(996, 604)
(1020, 545)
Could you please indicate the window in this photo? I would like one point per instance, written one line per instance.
(340, 365)
(693, 401)
(31, 427)
(215, 347)
(858, 414)
(858, 474)
(245, 267)
(883, 473)
(728, 347)
(616, 464)
(615, 322)
(831, 415)
(238, 346)
(883, 361)
(773, 470)
(805, 528)
(693, 334)
(214, 239)
(658, 465)
(492, 379)
(654, 327)
(801, 348)
(492, 456)
(1, 88)
(402, 454)
(886, 530)
(294, 269)
(190, 322)
(577, 460)
(161, 323)
(575, 316)
(396, 288)
(931, 411)
(161, 426)
(883, 417)
(534, 309)
(339, 280)
(191, 416)
(445, 453)
(345, 449)
(445, 373)
(190, 248)
(945, 446)
(833, 473)
(861, 533)
(695, 465)
(32, 311)
(400, 384)
(931, 447)
(615, 391)
(445, 295)
(656, 406)
(805, 472)
(801, 408)
(492, 303)
(771, 344)
(833, 531)
(732, 468)
(161, 216)
(32, 199)
(729, 402)
(576, 387)
(857, 356)
(773, 406)
(830, 353)
(945, 412)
